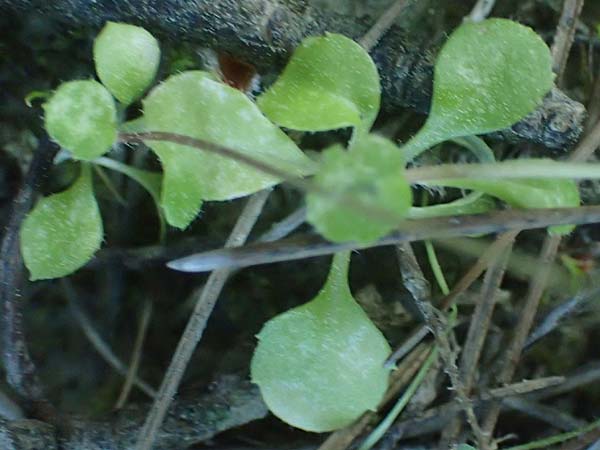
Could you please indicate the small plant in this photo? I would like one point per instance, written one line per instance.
(319, 366)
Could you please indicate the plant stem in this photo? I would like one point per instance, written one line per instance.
(383, 426)
(438, 273)
(505, 170)
(545, 443)
(196, 325)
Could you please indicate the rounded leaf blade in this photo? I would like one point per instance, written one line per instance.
(127, 59)
(62, 232)
(321, 365)
(81, 116)
(330, 82)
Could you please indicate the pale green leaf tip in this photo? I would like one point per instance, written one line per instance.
(127, 59)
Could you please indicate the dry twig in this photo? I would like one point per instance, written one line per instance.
(196, 325)
(342, 439)
(306, 246)
(98, 342)
(565, 34)
(136, 355)
(20, 369)
(480, 323)
(385, 21)
(481, 10)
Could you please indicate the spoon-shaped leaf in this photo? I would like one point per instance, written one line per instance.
(81, 116)
(535, 193)
(193, 104)
(330, 82)
(63, 231)
(321, 365)
(371, 172)
(126, 60)
(488, 76)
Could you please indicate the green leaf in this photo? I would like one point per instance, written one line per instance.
(330, 82)
(63, 231)
(488, 76)
(81, 116)
(193, 104)
(465, 447)
(535, 193)
(321, 365)
(126, 60)
(371, 172)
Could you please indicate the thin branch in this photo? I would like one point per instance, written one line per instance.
(593, 105)
(578, 379)
(98, 342)
(534, 294)
(20, 369)
(478, 329)
(383, 24)
(436, 323)
(481, 10)
(306, 246)
(412, 276)
(136, 355)
(481, 318)
(196, 325)
(522, 264)
(554, 416)
(565, 34)
(535, 290)
(434, 419)
(560, 313)
(284, 227)
(588, 145)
